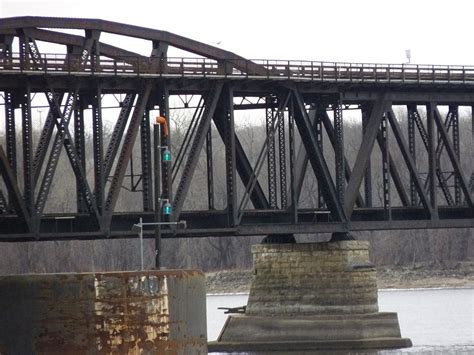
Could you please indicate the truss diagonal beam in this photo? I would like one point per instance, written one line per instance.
(47, 131)
(260, 160)
(117, 133)
(394, 173)
(362, 159)
(126, 153)
(14, 194)
(75, 160)
(347, 169)
(45, 137)
(453, 156)
(52, 163)
(64, 137)
(397, 132)
(244, 168)
(316, 159)
(195, 149)
(301, 163)
(3, 203)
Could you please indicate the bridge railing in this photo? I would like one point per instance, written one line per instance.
(255, 69)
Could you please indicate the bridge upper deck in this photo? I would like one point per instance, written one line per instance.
(333, 72)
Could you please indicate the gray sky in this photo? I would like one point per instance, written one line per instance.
(437, 32)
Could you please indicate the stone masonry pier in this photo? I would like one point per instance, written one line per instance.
(312, 296)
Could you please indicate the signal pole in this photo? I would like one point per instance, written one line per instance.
(157, 161)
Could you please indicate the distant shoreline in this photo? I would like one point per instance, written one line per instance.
(419, 276)
(380, 290)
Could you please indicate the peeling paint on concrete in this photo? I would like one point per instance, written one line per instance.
(150, 312)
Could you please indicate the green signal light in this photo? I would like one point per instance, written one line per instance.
(166, 155)
(167, 209)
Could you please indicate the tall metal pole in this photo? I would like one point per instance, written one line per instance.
(157, 156)
(141, 244)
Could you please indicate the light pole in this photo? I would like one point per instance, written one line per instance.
(138, 228)
(159, 128)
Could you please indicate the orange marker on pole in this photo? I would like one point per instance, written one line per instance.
(162, 121)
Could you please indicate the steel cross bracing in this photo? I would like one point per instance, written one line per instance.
(339, 146)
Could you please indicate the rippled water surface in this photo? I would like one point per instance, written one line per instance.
(438, 321)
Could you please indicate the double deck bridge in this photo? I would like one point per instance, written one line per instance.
(412, 168)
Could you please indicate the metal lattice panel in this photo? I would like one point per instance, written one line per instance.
(407, 172)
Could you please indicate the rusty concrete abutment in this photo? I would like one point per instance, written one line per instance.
(143, 312)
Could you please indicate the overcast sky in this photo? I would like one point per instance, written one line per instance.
(437, 32)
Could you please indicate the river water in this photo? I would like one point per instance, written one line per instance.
(438, 321)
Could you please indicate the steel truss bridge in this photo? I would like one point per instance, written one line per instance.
(422, 178)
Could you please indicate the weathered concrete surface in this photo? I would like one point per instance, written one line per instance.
(311, 296)
(146, 312)
(313, 278)
(316, 328)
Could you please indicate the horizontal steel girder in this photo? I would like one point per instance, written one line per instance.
(88, 69)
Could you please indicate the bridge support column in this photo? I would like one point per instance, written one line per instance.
(142, 312)
(312, 296)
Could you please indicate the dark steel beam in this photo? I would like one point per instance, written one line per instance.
(397, 132)
(472, 150)
(318, 126)
(10, 128)
(291, 143)
(134, 31)
(405, 97)
(394, 173)
(117, 133)
(452, 156)
(411, 109)
(46, 135)
(64, 137)
(3, 203)
(79, 140)
(98, 147)
(363, 155)
(365, 111)
(210, 169)
(323, 115)
(78, 42)
(146, 167)
(282, 158)
(224, 121)
(126, 153)
(249, 187)
(270, 120)
(339, 155)
(14, 195)
(301, 160)
(27, 130)
(244, 168)
(385, 168)
(316, 159)
(50, 168)
(195, 149)
(432, 161)
(456, 145)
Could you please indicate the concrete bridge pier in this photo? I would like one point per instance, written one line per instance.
(133, 312)
(312, 296)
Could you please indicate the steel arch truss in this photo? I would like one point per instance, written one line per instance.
(336, 153)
